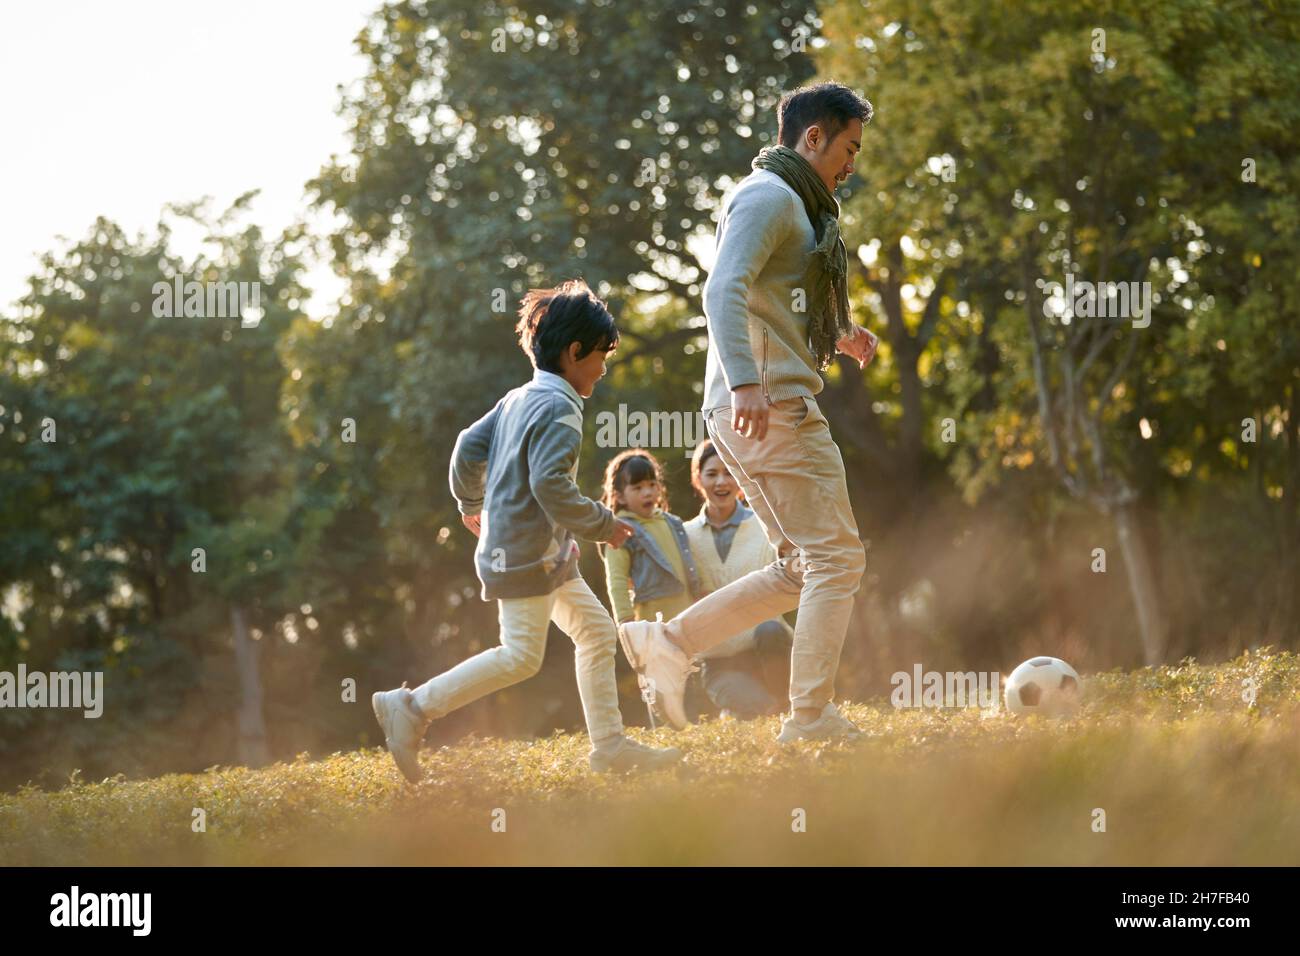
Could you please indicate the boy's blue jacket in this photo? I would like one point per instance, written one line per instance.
(516, 466)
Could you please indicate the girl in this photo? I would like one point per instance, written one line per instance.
(654, 572)
(744, 676)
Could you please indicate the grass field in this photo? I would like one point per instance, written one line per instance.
(1186, 771)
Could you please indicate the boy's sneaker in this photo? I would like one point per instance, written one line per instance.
(404, 725)
(831, 725)
(662, 662)
(626, 754)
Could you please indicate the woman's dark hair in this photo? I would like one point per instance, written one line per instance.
(832, 106)
(699, 458)
(632, 467)
(550, 320)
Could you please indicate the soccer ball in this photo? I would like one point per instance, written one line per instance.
(1044, 685)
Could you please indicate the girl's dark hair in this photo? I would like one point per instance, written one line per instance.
(550, 320)
(832, 106)
(629, 468)
(699, 458)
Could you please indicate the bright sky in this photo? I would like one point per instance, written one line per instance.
(117, 108)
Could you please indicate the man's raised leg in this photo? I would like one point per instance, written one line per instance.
(794, 479)
(799, 475)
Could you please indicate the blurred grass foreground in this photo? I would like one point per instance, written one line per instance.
(1191, 765)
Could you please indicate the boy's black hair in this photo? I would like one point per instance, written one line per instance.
(550, 320)
(831, 105)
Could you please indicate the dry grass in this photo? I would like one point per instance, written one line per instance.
(1186, 772)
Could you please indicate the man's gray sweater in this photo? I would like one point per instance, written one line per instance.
(516, 466)
(756, 336)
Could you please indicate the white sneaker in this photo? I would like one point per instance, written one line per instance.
(662, 663)
(404, 725)
(831, 725)
(627, 755)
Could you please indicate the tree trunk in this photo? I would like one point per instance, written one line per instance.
(1281, 626)
(1141, 583)
(253, 750)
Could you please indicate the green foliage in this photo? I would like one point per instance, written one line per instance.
(1007, 151)
(501, 147)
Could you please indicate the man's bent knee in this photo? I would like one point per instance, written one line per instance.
(858, 563)
(845, 565)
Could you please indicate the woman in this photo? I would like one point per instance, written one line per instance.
(747, 675)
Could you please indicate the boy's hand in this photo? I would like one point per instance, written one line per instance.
(622, 531)
(472, 522)
(749, 412)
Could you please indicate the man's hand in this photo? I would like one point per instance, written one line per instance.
(749, 412)
(622, 531)
(472, 522)
(860, 344)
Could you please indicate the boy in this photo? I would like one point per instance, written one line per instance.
(512, 474)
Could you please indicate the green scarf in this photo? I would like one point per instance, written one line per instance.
(826, 280)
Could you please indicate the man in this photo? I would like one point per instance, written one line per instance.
(777, 309)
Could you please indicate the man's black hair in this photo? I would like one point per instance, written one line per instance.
(831, 105)
(550, 320)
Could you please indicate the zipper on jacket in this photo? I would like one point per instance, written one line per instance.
(765, 392)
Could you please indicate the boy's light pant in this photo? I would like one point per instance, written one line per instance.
(524, 621)
(794, 481)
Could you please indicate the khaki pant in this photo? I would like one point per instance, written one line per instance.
(794, 481)
(524, 622)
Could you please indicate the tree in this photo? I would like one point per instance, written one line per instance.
(140, 432)
(498, 148)
(1013, 150)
